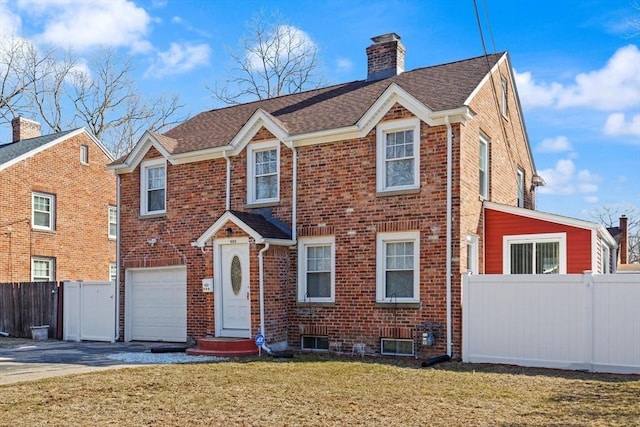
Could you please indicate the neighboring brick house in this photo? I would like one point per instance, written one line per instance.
(57, 206)
(342, 215)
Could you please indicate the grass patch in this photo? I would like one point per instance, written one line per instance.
(310, 391)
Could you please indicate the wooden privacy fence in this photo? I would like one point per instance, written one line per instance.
(27, 304)
(575, 321)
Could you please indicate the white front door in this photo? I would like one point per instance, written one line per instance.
(233, 279)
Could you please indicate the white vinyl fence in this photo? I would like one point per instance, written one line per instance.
(89, 311)
(580, 322)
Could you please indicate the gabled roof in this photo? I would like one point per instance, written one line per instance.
(14, 152)
(337, 112)
(255, 225)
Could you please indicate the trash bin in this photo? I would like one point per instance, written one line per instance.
(40, 333)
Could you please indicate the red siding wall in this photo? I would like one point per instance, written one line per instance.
(500, 224)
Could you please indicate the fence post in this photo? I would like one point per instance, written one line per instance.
(587, 280)
(465, 316)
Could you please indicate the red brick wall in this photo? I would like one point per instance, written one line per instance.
(80, 243)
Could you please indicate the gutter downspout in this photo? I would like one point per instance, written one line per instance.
(449, 229)
(117, 325)
(261, 281)
(228, 199)
(294, 193)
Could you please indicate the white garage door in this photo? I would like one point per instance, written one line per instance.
(156, 304)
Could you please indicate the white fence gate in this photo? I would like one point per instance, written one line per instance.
(89, 311)
(581, 322)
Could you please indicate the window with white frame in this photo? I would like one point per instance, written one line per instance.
(606, 258)
(263, 172)
(483, 167)
(113, 272)
(153, 186)
(43, 211)
(43, 270)
(535, 254)
(316, 269)
(113, 222)
(472, 254)
(520, 178)
(503, 97)
(84, 154)
(398, 267)
(398, 155)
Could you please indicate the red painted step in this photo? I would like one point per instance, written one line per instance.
(223, 347)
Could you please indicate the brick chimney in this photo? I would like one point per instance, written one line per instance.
(624, 236)
(385, 57)
(24, 129)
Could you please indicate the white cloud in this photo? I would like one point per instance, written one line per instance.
(10, 23)
(591, 199)
(179, 59)
(83, 25)
(344, 65)
(617, 125)
(555, 145)
(616, 86)
(292, 42)
(564, 180)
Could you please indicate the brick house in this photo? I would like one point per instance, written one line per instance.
(57, 206)
(340, 217)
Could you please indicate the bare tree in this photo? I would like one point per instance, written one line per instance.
(16, 56)
(609, 216)
(274, 58)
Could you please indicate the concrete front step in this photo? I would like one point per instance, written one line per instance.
(224, 347)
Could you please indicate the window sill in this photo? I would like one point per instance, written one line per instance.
(43, 230)
(388, 193)
(152, 216)
(392, 305)
(255, 205)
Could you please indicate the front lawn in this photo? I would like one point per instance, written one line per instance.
(312, 391)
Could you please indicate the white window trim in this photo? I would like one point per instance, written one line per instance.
(520, 183)
(251, 160)
(503, 96)
(52, 213)
(303, 244)
(605, 263)
(113, 272)
(150, 164)
(507, 241)
(381, 240)
(473, 241)
(484, 141)
(390, 127)
(115, 210)
(84, 154)
(52, 266)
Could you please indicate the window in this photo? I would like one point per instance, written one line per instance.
(43, 270)
(484, 167)
(503, 97)
(312, 342)
(84, 154)
(520, 175)
(316, 269)
(44, 208)
(398, 262)
(535, 254)
(113, 222)
(472, 254)
(398, 155)
(395, 347)
(263, 170)
(113, 272)
(606, 258)
(153, 187)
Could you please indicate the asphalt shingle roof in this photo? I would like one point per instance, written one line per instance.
(439, 87)
(16, 149)
(261, 225)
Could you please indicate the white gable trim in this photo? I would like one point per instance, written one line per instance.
(146, 141)
(485, 79)
(258, 120)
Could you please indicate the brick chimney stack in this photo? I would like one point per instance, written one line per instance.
(624, 236)
(385, 57)
(24, 129)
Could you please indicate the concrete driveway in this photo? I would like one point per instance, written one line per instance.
(26, 360)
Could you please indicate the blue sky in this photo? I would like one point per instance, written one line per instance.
(577, 64)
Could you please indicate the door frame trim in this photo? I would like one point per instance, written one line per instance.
(217, 285)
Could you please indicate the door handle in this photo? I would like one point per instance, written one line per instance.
(247, 295)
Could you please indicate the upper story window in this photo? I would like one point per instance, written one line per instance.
(43, 211)
(316, 269)
(43, 270)
(520, 177)
(263, 172)
(84, 154)
(398, 267)
(483, 167)
(535, 254)
(503, 97)
(153, 186)
(113, 222)
(398, 155)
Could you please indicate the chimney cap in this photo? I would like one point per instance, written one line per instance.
(384, 38)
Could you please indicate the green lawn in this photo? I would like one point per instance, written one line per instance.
(313, 391)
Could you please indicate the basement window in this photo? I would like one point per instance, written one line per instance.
(395, 347)
(315, 342)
